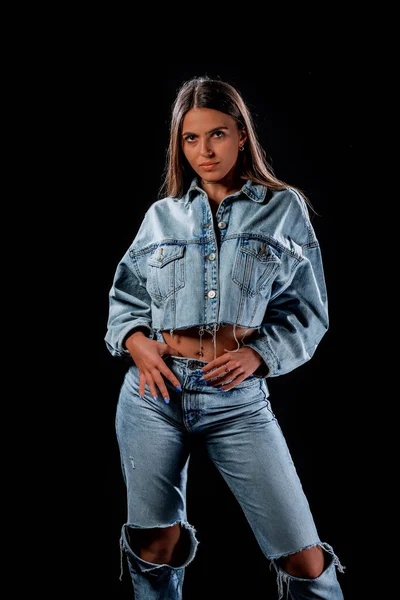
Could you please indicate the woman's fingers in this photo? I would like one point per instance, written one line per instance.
(158, 373)
(231, 383)
(235, 367)
(170, 376)
(215, 364)
(156, 382)
(219, 377)
(142, 384)
(220, 374)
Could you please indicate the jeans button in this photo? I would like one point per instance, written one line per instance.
(191, 365)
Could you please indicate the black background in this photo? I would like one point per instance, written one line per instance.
(305, 115)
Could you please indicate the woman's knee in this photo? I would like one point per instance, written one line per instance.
(158, 545)
(308, 563)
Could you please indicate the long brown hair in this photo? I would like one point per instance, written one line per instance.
(204, 92)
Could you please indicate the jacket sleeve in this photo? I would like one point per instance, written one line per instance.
(129, 305)
(296, 317)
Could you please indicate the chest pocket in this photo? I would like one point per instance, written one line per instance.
(255, 266)
(166, 271)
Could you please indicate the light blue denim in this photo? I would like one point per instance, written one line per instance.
(245, 442)
(259, 267)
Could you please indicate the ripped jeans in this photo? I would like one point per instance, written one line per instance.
(245, 442)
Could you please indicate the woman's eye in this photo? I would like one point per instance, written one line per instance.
(192, 137)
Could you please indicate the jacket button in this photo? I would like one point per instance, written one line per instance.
(222, 224)
(212, 294)
(211, 256)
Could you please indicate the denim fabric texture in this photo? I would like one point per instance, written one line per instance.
(244, 441)
(258, 266)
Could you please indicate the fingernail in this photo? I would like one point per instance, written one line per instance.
(155, 398)
(142, 397)
(178, 387)
(166, 400)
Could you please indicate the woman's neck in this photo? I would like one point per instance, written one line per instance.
(218, 190)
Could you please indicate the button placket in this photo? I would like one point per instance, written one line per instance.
(212, 276)
(211, 270)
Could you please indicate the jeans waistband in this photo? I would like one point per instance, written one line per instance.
(192, 366)
(183, 361)
(190, 363)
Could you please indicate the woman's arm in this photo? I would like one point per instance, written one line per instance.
(129, 306)
(296, 319)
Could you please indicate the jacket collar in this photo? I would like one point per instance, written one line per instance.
(254, 191)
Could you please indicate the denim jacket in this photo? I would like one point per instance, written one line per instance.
(258, 266)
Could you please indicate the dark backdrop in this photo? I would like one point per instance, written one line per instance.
(304, 115)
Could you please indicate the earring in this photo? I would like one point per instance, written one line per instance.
(241, 148)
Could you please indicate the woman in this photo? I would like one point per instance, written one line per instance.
(222, 287)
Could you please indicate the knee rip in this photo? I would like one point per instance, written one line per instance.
(307, 563)
(172, 545)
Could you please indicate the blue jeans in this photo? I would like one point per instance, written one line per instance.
(245, 442)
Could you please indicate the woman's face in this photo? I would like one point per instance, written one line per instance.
(210, 143)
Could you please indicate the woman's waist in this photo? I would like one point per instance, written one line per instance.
(206, 342)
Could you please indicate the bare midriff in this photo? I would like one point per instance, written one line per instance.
(188, 343)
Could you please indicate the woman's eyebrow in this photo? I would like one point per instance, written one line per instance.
(207, 132)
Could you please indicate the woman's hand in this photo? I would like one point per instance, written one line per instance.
(239, 364)
(147, 354)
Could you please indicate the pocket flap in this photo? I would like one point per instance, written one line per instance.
(164, 254)
(259, 250)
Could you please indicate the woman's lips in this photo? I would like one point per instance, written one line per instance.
(208, 166)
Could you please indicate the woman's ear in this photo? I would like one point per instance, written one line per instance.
(242, 138)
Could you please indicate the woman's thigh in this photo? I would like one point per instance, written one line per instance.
(154, 450)
(253, 457)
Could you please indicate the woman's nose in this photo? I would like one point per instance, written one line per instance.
(205, 150)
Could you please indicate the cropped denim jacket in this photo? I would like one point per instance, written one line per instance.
(257, 266)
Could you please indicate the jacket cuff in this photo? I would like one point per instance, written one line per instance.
(270, 364)
(115, 341)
